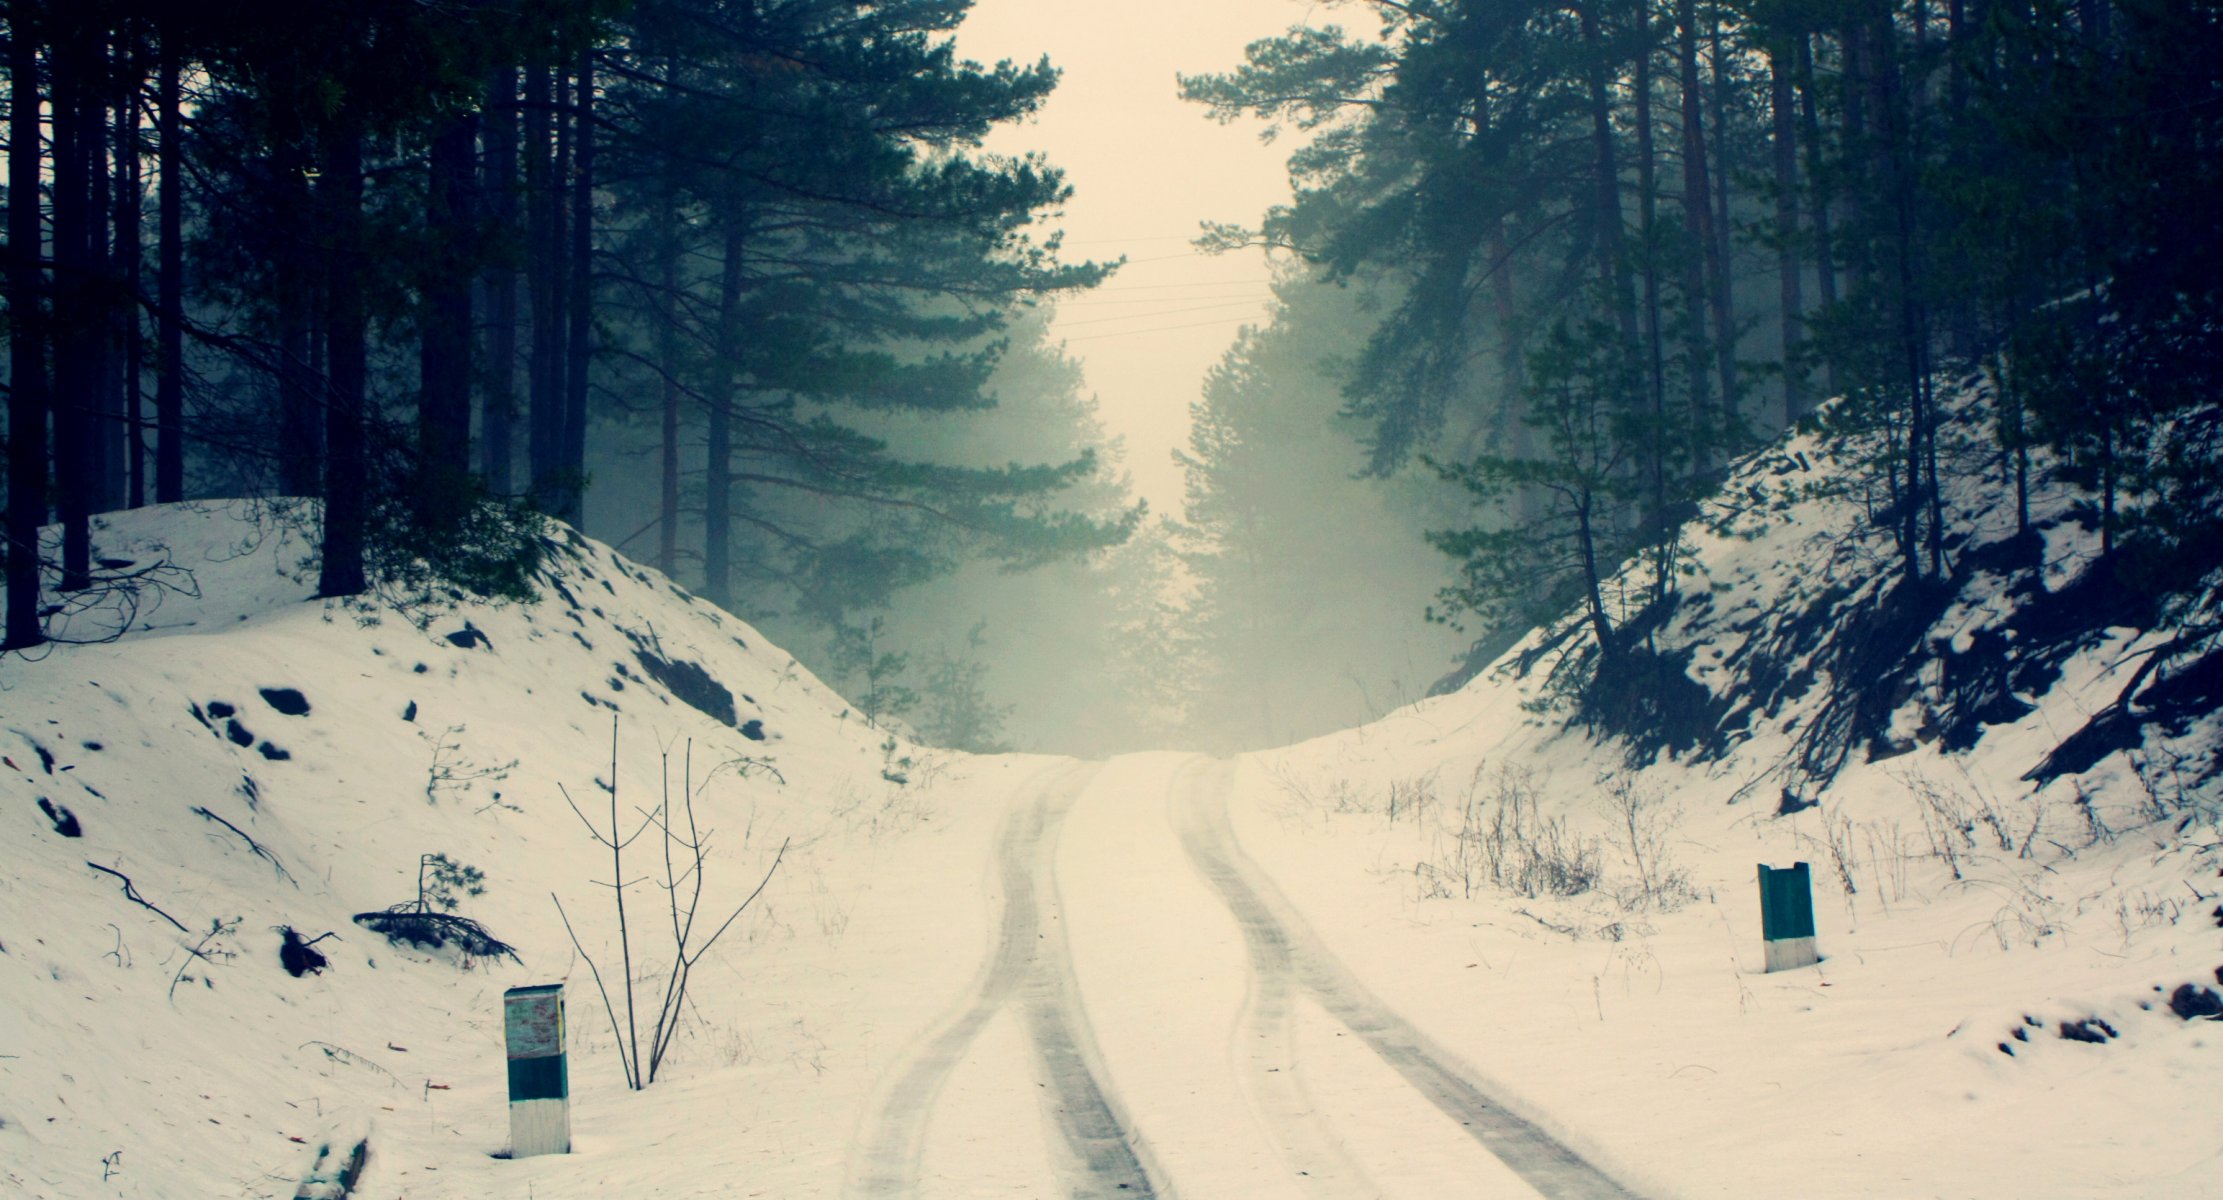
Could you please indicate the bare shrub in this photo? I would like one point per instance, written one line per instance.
(1948, 820)
(1641, 819)
(1504, 837)
(1837, 836)
(1412, 797)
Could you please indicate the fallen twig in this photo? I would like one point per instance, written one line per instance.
(1565, 930)
(260, 852)
(132, 894)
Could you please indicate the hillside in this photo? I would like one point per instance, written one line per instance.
(253, 760)
(2019, 938)
(2006, 785)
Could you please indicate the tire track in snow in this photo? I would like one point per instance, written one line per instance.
(1031, 965)
(1266, 1035)
(1274, 930)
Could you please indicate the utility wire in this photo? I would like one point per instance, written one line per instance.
(1098, 337)
(1166, 312)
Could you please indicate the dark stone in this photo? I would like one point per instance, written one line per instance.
(273, 753)
(2191, 1001)
(2090, 1029)
(238, 733)
(687, 682)
(65, 821)
(410, 713)
(300, 957)
(753, 730)
(219, 710)
(470, 637)
(289, 701)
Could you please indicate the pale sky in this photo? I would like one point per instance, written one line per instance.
(1146, 169)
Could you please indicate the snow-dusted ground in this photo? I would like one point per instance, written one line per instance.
(873, 1026)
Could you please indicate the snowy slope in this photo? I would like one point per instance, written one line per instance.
(870, 1017)
(1967, 915)
(130, 1067)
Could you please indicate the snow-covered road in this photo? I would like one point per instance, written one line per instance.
(1183, 1031)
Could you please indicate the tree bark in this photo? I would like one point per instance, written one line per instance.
(1659, 528)
(340, 185)
(1791, 299)
(27, 333)
(578, 342)
(130, 215)
(444, 334)
(1825, 255)
(169, 383)
(717, 487)
(1613, 269)
(76, 395)
(1698, 215)
(497, 440)
(300, 296)
(668, 366)
(544, 168)
(1719, 256)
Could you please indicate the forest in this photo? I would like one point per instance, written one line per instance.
(734, 287)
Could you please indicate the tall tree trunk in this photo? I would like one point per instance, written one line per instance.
(497, 438)
(340, 185)
(717, 487)
(27, 333)
(444, 335)
(1817, 181)
(1718, 252)
(1659, 528)
(544, 169)
(1791, 299)
(300, 299)
(581, 275)
(104, 457)
(1896, 154)
(1698, 215)
(668, 366)
(130, 213)
(169, 383)
(76, 396)
(1613, 267)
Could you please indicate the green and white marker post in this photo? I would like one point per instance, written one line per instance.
(1787, 917)
(539, 1082)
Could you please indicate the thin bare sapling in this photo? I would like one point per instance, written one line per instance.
(686, 852)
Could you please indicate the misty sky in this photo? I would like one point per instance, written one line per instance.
(1146, 169)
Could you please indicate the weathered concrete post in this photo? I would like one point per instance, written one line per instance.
(539, 1081)
(1787, 917)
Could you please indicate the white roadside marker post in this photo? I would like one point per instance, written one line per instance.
(1787, 917)
(539, 1081)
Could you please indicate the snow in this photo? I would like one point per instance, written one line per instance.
(1641, 1036)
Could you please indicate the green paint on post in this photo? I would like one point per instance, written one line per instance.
(542, 1078)
(1786, 902)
